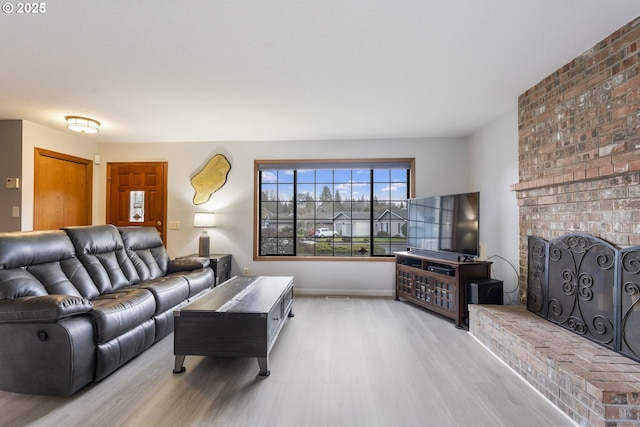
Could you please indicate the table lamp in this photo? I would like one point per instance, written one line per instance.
(204, 220)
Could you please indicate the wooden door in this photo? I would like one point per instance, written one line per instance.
(63, 190)
(137, 195)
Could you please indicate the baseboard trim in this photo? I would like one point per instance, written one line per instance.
(344, 292)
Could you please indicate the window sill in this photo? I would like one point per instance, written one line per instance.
(325, 258)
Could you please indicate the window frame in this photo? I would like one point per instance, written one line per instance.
(261, 164)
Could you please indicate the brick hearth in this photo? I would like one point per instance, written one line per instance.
(591, 384)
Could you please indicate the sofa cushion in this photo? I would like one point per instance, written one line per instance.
(101, 251)
(168, 291)
(20, 249)
(49, 258)
(120, 311)
(199, 280)
(18, 282)
(146, 250)
(67, 277)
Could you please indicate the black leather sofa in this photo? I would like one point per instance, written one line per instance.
(78, 303)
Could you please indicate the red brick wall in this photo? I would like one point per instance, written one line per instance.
(579, 147)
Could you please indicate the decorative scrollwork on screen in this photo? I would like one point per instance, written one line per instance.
(537, 274)
(630, 303)
(580, 286)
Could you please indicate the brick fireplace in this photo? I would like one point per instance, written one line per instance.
(579, 173)
(579, 148)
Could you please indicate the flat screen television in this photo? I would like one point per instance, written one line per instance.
(444, 226)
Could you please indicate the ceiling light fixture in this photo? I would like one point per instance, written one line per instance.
(82, 124)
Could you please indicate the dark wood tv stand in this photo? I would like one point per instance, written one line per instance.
(437, 284)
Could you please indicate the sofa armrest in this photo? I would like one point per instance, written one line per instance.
(187, 264)
(47, 308)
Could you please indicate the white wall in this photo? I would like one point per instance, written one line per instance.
(440, 168)
(485, 162)
(61, 141)
(493, 167)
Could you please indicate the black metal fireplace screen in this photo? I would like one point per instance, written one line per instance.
(587, 286)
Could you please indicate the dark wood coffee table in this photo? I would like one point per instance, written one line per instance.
(239, 318)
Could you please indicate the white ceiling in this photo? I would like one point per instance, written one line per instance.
(227, 70)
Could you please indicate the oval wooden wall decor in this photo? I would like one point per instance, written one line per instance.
(210, 178)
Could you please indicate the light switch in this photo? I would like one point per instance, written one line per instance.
(12, 183)
(174, 225)
(15, 211)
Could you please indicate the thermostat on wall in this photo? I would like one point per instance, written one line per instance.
(13, 183)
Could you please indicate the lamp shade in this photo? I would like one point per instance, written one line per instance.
(204, 219)
(82, 124)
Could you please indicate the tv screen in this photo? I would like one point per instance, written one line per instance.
(444, 225)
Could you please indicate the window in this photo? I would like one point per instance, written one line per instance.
(336, 208)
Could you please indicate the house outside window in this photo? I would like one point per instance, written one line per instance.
(332, 208)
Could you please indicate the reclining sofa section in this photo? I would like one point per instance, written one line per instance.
(78, 303)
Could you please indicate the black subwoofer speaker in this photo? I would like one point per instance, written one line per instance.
(485, 291)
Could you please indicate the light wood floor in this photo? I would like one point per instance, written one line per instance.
(361, 362)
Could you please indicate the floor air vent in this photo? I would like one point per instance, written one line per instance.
(337, 298)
